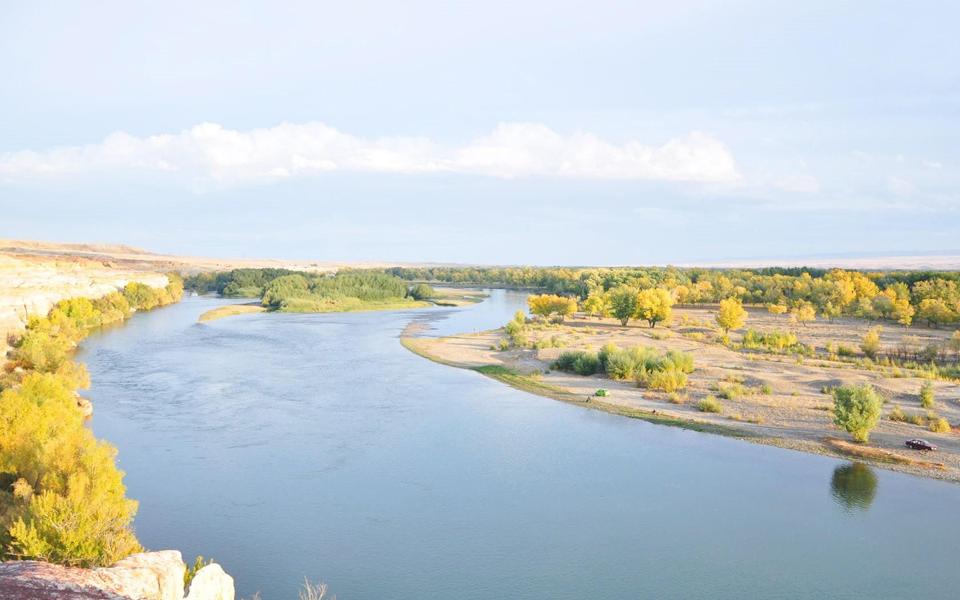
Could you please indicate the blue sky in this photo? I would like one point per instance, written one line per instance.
(492, 132)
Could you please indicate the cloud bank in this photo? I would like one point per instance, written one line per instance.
(210, 153)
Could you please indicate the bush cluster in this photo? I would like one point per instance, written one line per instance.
(62, 499)
(649, 368)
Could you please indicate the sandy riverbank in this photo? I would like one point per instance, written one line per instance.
(796, 414)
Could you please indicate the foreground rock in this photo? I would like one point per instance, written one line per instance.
(146, 576)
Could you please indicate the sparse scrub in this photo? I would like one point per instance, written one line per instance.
(939, 425)
(897, 414)
(927, 396)
(710, 404)
(774, 341)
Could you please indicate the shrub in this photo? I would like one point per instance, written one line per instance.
(681, 361)
(421, 291)
(676, 398)
(586, 363)
(766, 389)
(604, 355)
(857, 410)
(897, 414)
(927, 395)
(846, 351)
(667, 380)
(141, 296)
(939, 425)
(732, 391)
(620, 365)
(871, 342)
(191, 571)
(580, 362)
(601, 393)
(777, 341)
(710, 404)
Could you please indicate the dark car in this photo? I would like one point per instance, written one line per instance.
(918, 444)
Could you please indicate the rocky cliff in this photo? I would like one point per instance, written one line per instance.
(146, 576)
(30, 285)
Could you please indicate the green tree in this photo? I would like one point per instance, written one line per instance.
(731, 315)
(654, 306)
(857, 410)
(623, 303)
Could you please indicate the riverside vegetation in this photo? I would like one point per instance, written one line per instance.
(62, 498)
(762, 370)
(902, 297)
(296, 291)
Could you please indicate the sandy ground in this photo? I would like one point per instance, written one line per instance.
(797, 414)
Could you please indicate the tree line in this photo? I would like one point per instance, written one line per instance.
(932, 297)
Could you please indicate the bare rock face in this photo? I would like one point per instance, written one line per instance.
(146, 576)
(211, 583)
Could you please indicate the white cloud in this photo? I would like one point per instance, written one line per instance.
(211, 153)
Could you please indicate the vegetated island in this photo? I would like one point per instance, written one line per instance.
(828, 363)
(282, 290)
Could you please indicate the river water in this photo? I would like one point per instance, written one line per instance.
(288, 446)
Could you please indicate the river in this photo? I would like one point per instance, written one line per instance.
(288, 446)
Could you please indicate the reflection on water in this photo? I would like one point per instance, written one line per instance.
(854, 486)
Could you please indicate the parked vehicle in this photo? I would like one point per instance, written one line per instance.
(918, 444)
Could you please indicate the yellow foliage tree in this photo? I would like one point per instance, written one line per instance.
(731, 315)
(547, 305)
(654, 306)
(776, 309)
(803, 313)
(67, 504)
(597, 304)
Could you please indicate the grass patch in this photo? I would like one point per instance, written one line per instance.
(710, 405)
(527, 383)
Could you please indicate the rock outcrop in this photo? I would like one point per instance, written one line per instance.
(145, 576)
(32, 285)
